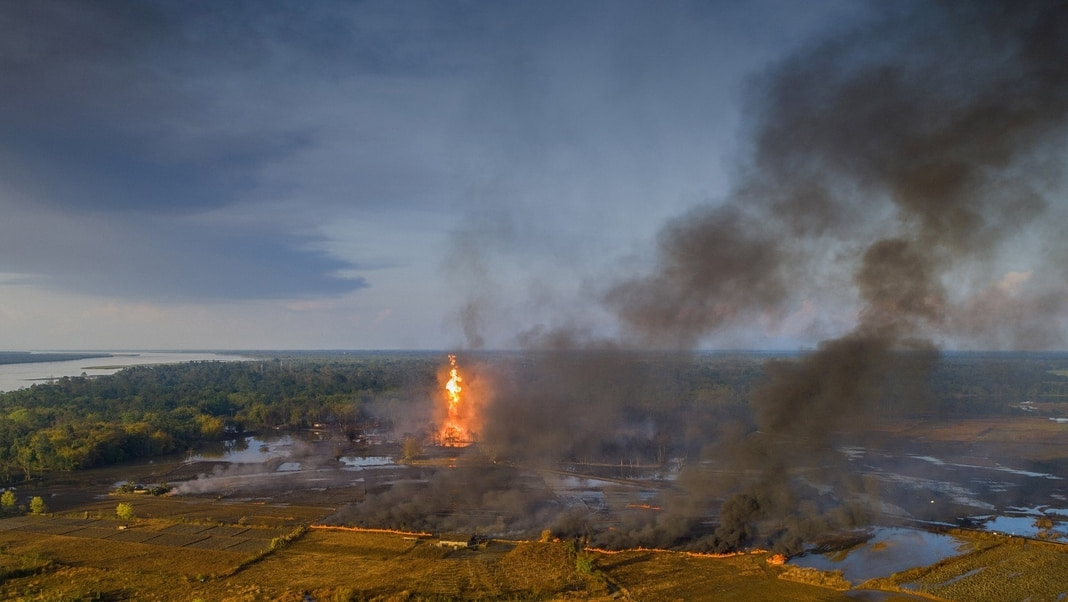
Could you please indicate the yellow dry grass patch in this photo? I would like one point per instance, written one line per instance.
(373, 565)
(60, 558)
(192, 509)
(119, 555)
(1011, 569)
(648, 575)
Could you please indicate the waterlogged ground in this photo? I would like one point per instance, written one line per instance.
(890, 550)
(1006, 476)
(270, 485)
(937, 484)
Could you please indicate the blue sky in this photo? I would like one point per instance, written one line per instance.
(403, 174)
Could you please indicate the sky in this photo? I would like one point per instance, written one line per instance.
(432, 175)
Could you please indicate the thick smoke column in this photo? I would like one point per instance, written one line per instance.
(925, 131)
(898, 165)
(906, 151)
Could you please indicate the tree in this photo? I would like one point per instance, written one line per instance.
(37, 505)
(413, 447)
(124, 511)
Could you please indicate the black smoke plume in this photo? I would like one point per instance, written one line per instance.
(895, 164)
(906, 151)
(496, 500)
(903, 150)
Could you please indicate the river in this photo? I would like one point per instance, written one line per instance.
(18, 376)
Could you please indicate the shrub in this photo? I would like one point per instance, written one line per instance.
(584, 563)
(7, 500)
(37, 505)
(124, 511)
(412, 448)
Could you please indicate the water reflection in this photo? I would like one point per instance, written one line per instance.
(243, 450)
(889, 551)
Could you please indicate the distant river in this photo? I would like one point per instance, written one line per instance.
(18, 376)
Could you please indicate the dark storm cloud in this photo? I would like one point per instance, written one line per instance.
(174, 108)
(100, 110)
(313, 116)
(144, 259)
(140, 121)
(220, 264)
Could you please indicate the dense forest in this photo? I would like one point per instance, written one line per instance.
(148, 411)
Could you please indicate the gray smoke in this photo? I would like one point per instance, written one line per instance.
(928, 128)
(905, 150)
(911, 152)
(497, 500)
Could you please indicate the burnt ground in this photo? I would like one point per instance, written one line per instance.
(935, 472)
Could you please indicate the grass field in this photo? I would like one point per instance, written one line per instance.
(1000, 568)
(70, 558)
(61, 558)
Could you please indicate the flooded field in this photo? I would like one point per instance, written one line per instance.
(936, 489)
(998, 494)
(890, 550)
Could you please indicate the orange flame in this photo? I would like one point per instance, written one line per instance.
(420, 534)
(454, 433)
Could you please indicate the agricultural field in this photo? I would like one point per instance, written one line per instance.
(272, 514)
(62, 558)
(1001, 568)
(255, 551)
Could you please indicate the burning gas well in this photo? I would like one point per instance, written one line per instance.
(457, 425)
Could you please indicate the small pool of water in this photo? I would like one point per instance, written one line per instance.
(366, 461)
(889, 551)
(1043, 522)
(244, 450)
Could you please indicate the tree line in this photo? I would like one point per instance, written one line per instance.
(145, 411)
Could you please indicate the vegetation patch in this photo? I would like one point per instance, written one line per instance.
(829, 579)
(1013, 570)
(14, 566)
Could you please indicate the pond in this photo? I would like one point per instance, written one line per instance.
(890, 550)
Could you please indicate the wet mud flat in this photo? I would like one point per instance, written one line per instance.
(969, 473)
